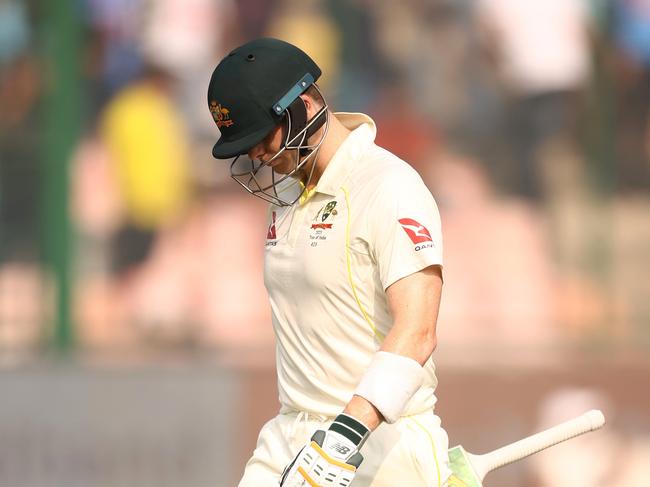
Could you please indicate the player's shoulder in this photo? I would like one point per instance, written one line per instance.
(381, 170)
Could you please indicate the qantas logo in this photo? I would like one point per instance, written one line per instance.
(417, 232)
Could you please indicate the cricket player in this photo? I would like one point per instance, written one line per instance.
(353, 270)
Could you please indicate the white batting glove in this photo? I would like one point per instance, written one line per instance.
(331, 458)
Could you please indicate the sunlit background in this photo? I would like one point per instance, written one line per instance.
(135, 338)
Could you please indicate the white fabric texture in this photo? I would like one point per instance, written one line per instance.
(544, 44)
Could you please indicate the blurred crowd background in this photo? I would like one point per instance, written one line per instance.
(123, 242)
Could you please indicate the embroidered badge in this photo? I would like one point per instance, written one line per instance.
(220, 114)
(329, 210)
(318, 224)
(326, 211)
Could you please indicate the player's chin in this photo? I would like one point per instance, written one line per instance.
(284, 167)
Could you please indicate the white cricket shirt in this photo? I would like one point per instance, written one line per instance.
(369, 222)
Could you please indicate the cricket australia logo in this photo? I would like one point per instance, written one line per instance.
(417, 232)
(220, 114)
(323, 214)
(320, 227)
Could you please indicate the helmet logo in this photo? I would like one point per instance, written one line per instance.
(220, 114)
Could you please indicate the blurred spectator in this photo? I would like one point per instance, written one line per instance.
(631, 32)
(148, 144)
(433, 45)
(647, 138)
(227, 231)
(183, 35)
(420, 71)
(147, 149)
(462, 89)
(306, 24)
(96, 204)
(401, 126)
(115, 28)
(499, 279)
(14, 30)
(541, 48)
(97, 212)
(186, 37)
(20, 168)
(253, 17)
(398, 33)
(587, 460)
(22, 287)
(605, 458)
(19, 135)
(429, 43)
(361, 61)
(632, 29)
(23, 304)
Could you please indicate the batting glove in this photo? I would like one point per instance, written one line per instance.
(331, 458)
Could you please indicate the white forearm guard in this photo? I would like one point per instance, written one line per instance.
(390, 382)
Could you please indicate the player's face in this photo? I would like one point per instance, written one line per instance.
(270, 146)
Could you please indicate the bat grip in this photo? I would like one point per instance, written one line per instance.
(588, 421)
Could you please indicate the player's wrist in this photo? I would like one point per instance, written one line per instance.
(389, 383)
(351, 429)
(364, 411)
(343, 439)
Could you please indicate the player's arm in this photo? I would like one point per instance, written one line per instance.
(332, 456)
(414, 302)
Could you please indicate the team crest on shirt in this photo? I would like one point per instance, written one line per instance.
(322, 222)
(323, 214)
(418, 233)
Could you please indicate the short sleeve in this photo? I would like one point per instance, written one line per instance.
(403, 226)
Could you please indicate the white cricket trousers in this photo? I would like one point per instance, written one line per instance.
(411, 452)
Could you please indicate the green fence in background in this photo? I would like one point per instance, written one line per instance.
(61, 33)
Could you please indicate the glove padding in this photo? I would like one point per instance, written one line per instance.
(331, 458)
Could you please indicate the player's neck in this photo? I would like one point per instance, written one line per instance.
(336, 135)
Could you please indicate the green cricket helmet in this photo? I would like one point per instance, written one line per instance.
(254, 89)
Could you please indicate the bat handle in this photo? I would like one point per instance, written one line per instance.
(584, 423)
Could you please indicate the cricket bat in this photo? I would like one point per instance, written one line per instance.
(470, 469)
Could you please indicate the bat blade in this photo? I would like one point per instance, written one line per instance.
(469, 469)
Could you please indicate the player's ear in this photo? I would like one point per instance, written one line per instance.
(310, 105)
(313, 100)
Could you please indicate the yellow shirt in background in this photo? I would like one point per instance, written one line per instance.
(145, 135)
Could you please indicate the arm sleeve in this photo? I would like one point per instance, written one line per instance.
(403, 227)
